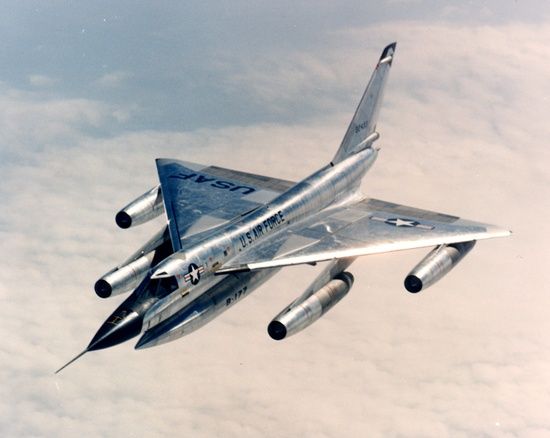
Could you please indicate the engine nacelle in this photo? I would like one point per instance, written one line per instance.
(142, 209)
(436, 264)
(124, 278)
(130, 273)
(300, 315)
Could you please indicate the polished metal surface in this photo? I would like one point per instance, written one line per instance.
(364, 120)
(436, 264)
(199, 198)
(211, 249)
(360, 228)
(330, 271)
(142, 209)
(129, 274)
(124, 278)
(205, 308)
(301, 314)
(228, 231)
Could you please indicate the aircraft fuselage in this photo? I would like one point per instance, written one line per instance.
(201, 254)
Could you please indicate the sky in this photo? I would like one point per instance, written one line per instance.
(91, 94)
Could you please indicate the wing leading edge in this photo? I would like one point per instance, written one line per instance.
(369, 226)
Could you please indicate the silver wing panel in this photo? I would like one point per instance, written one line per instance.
(261, 181)
(367, 227)
(198, 197)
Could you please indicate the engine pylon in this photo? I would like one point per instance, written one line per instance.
(131, 272)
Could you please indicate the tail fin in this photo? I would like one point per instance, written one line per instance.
(361, 131)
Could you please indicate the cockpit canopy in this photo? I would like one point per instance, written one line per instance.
(170, 267)
(160, 287)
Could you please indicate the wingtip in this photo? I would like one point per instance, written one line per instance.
(389, 50)
(496, 231)
(71, 361)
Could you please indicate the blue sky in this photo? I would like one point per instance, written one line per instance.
(90, 95)
(170, 64)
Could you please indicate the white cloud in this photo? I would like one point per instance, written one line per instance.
(278, 81)
(41, 81)
(30, 122)
(113, 79)
(461, 132)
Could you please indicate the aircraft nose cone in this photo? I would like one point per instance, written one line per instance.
(119, 327)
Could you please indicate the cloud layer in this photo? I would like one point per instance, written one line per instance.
(462, 132)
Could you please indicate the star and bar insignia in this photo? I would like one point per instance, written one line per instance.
(194, 275)
(402, 222)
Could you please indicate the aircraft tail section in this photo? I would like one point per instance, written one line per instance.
(361, 131)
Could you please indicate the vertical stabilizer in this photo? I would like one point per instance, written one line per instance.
(360, 133)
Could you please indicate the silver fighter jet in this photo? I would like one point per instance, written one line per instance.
(228, 232)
